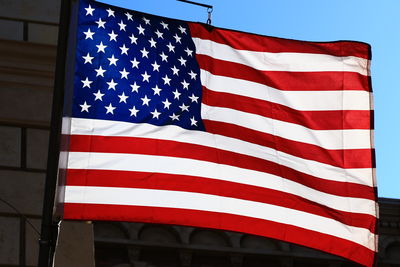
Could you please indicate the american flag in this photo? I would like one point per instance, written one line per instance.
(181, 123)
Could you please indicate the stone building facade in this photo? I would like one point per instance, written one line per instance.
(28, 33)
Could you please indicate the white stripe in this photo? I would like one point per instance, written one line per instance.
(212, 203)
(299, 100)
(267, 61)
(328, 139)
(199, 168)
(175, 133)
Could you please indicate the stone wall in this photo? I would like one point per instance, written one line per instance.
(26, 81)
(28, 35)
(39, 18)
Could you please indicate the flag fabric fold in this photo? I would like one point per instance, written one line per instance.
(181, 123)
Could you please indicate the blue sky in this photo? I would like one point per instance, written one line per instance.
(373, 22)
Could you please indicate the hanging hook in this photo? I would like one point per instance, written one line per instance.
(209, 11)
(209, 8)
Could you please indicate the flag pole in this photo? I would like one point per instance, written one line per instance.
(196, 3)
(49, 227)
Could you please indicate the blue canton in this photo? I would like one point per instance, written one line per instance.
(135, 67)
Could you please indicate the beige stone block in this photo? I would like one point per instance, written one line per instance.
(37, 144)
(24, 190)
(44, 34)
(10, 146)
(11, 30)
(75, 245)
(25, 104)
(9, 241)
(42, 10)
(32, 243)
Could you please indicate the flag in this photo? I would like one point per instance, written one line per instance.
(182, 123)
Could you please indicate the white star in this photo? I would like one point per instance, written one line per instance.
(189, 52)
(124, 49)
(111, 84)
(86, 82)
(155, 114)
(164, 57)
(100, 72)
(175, 70)
(133, 111)
(182, 61)
(98, 95)
(156, 90)
(89, 11)
(88, 58)
(100, 23)
(177, 38)
(110, 109)
(185, 84)
(85, 107)
(133, 39)
(176, 94)
(192, 75)
(159, 34)
(146, 21)
(174, 117)
(110, 13)
(166, 103)
(113, 60)
(171, 48)
(144, 52)
(135, 63)
(128, 16)
(166, 79)
(113, 36)
(88, 34)
(194, 98)
(146, 76)
(183, 107)
(122, 26)
(135, 87)
(165, 25)
(101, 47)
(183, 30)
(122, 98)
(141, 29)
(145, 100)
(155, 66)
(124, 74)
(193, 121)
(152, 42)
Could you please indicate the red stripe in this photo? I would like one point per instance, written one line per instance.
(135, 145)
(316, 120)
(192, 184)
(253, 42)
(284, 232)
(347, 158)
(289, 81)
